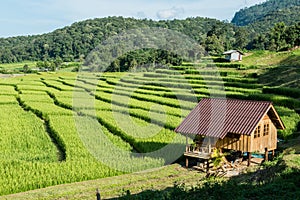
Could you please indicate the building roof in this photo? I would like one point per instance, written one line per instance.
(218, 117)
(232, 51)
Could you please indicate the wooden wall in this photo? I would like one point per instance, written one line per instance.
(269, 141)
(246, 143)
(241, 143)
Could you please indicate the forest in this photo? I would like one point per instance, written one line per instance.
(276, 28)
(271, 10)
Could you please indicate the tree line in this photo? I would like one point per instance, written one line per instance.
(280, 37)
(79, 39)
(76, 42)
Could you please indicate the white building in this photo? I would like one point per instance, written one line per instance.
(233, 55)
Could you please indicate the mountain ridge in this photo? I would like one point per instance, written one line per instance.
(263, 16)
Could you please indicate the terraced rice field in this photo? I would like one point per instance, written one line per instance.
(60, 128)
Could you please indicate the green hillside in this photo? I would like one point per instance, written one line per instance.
(251, 28)
(275, 68)
(263, 16)
(79, 39)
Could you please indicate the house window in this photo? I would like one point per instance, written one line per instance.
(257, 132)
(266, 129)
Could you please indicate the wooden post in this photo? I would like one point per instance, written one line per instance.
(186, 162)
(266, 154)
(98, 194)
(249, 158)
(273, 153)
(186, 140)
(207, 166)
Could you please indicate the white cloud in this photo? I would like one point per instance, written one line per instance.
(170, 13)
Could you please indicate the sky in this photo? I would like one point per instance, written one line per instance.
(30, 17)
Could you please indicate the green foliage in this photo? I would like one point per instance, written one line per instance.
(290, 92)
(152, 100)
(291, 121)
(271, 9)
(276, 181)
(280, 37)
(75, 42)
(274, 24)
(144, 59)
(277, 100)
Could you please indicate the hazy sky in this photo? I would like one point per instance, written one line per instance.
(27, 17)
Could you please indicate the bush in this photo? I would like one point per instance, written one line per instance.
(291, 122)
(277, 100)
(290, 92)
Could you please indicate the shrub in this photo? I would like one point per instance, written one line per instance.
(290, 92)
(291, 121)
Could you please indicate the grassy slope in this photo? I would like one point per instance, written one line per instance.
(267, 58)
(276, 180)
(13, 67)
(276, 68)
(18, 67)
(156, 179)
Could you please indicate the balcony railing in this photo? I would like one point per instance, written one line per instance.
(199, 151)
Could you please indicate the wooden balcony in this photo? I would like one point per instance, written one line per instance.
(199, 152)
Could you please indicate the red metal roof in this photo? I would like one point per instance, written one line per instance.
(217, 117)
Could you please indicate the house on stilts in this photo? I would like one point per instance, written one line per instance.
(240, 125)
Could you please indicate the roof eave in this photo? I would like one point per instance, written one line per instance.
(278, 119)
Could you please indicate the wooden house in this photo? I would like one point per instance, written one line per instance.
(241, 125)
(233, 55)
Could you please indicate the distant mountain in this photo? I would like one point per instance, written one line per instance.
(262, 17)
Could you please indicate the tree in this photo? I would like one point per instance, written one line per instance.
(277, 39)
(25, 68)
(259, 42)
(241, 38)
(133, 65)
(292, 35)
(213, 45)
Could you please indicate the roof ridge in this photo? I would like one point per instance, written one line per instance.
(241, 100)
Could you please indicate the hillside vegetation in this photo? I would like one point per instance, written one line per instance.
(62, 127)
(263, 16)
(63, 107)
(273, 25)
(79, 39)
(275, 68)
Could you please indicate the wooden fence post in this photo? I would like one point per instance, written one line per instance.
(98, 194)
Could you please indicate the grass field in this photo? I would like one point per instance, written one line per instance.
(176, 182)
(64, 127)
(17, 66)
